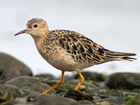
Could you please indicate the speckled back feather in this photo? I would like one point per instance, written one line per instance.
(82, 49)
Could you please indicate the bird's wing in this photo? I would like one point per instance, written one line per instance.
(81, 48)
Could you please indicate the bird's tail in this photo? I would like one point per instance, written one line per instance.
(113, 55)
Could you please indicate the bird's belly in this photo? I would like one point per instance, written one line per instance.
(61, 60)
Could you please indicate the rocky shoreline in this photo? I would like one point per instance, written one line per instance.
(18, 86)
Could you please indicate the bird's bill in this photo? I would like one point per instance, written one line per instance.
(21, 32)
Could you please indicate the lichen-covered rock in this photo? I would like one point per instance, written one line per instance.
(123, 81)
(7, 62)
(134, 100)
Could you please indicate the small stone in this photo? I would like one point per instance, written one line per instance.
(90, 88)
(82, 87)
(105, 103)
(77, 95)
(31, 96)
(85, 102)
(87, 84)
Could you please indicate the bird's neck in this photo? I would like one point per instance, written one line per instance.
(41, 43)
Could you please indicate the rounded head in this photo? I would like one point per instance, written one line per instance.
(36, 28)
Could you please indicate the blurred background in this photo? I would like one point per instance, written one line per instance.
(114, 24)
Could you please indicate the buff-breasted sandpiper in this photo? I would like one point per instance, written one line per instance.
(68, 50)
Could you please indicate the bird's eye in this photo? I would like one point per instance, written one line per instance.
(35, 26)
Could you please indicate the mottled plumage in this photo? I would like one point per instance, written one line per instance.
(68, 50)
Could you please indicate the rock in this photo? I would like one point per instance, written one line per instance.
(53, 100)
(77, 95)
(9, 91)
(111, 94)
(130, 93)
(38, 87)
(9, 74)
(123, 81)
(27, 92)
(13, 102)
(31, 83)
(105, 103)
(47, 76)
(22, 80)
(31, 96)
(111, 101)
(7, 62)
(91, 76)
(85, 102)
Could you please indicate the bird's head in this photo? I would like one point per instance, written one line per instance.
(36, 28)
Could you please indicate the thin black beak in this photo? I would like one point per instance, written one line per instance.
(21, 32)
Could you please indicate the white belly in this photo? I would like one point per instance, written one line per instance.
(63, 61)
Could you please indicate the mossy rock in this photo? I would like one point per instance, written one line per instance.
(62, 88)
(134, 100)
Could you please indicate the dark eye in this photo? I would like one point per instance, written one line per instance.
(35, 26)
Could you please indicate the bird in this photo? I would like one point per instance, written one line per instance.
(69, 50)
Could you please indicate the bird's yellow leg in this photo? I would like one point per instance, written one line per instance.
(81, 80)
(55, 86)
